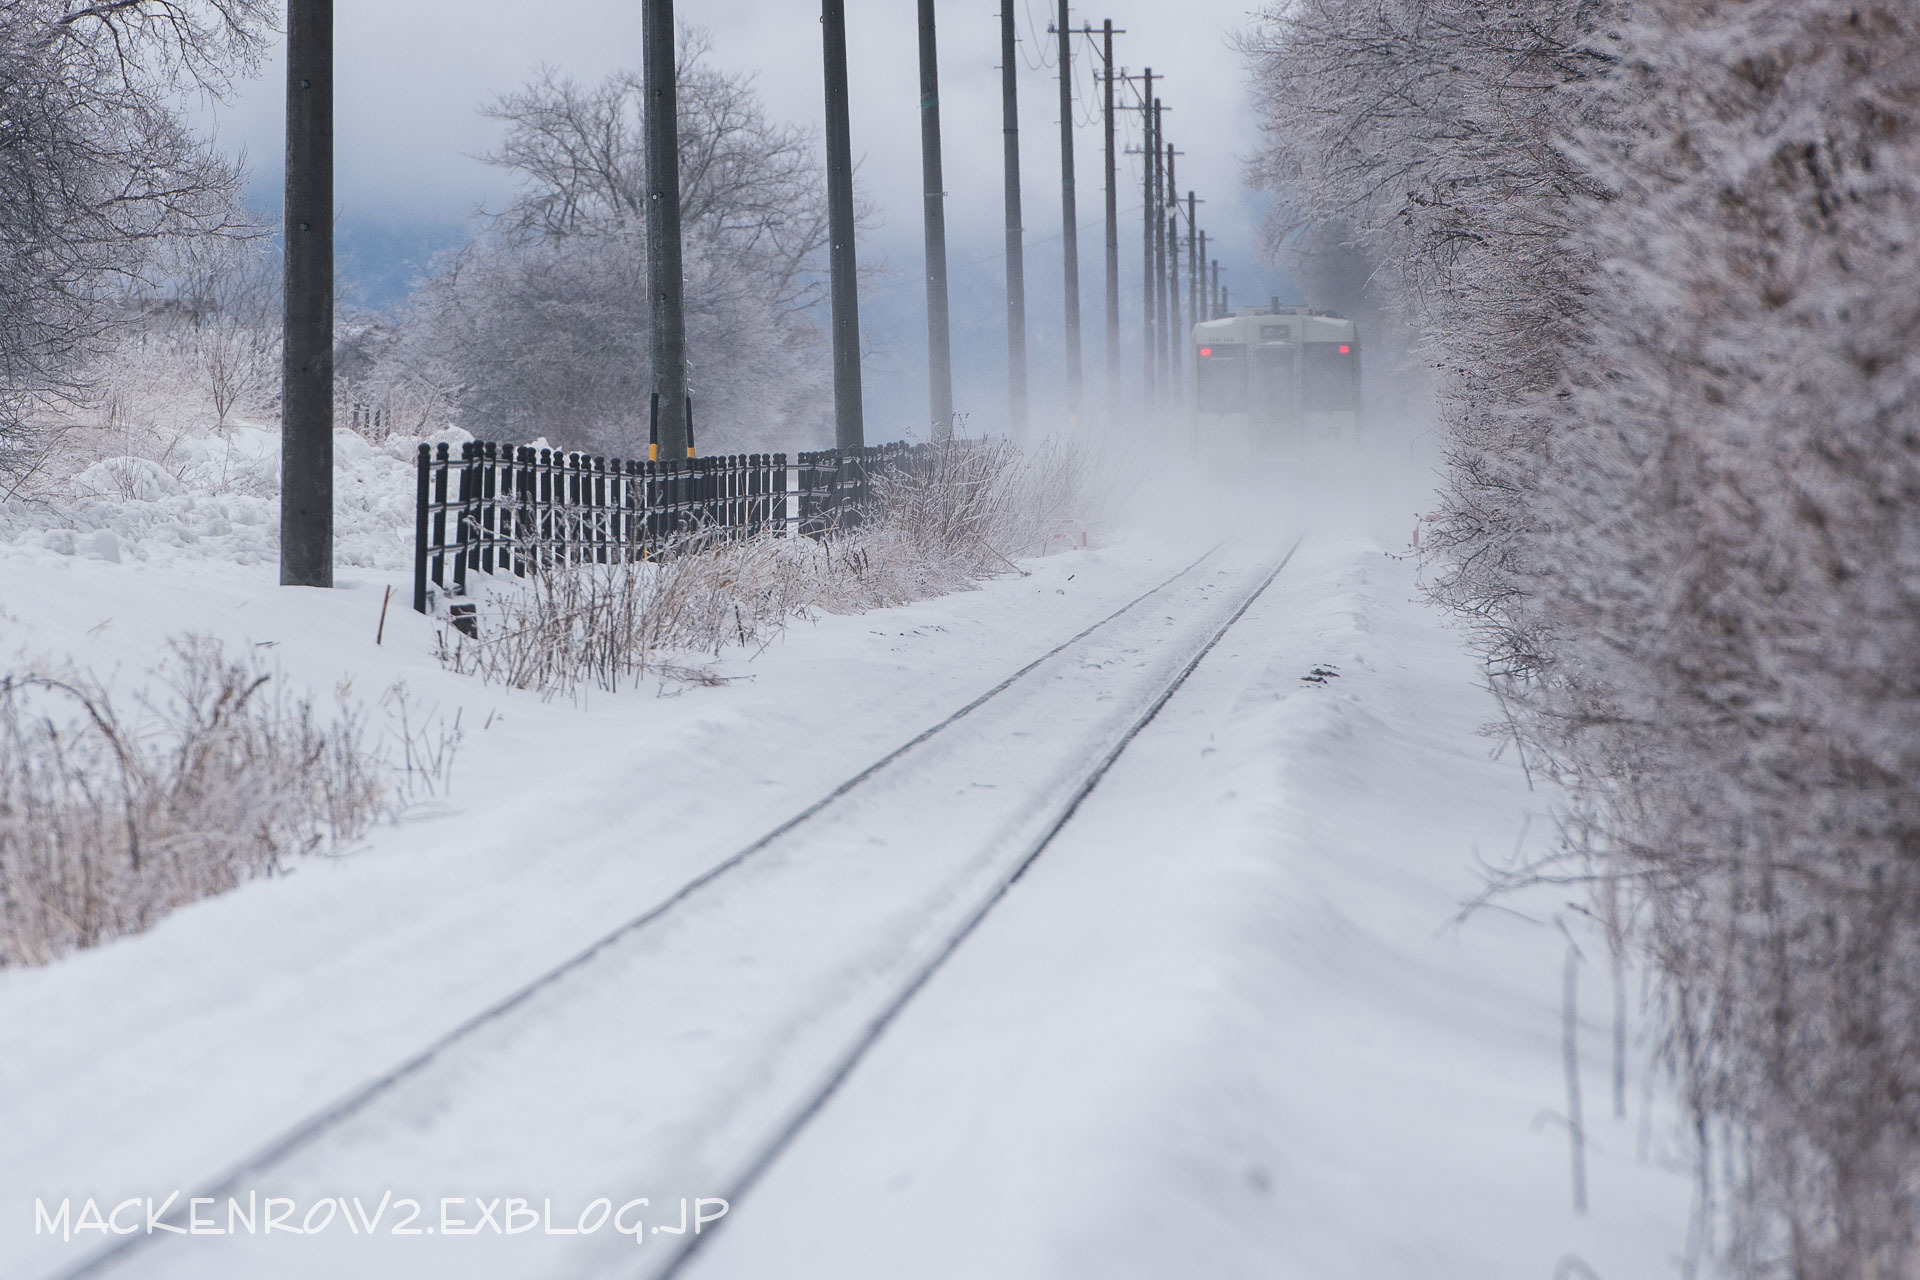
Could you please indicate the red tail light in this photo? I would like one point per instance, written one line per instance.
(1344, 350)
(1206, 351)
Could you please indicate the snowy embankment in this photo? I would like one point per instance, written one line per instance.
(1220, 1029)
(216, 498)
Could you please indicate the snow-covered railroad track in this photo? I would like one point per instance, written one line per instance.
(770, 1151)
(676, 1056)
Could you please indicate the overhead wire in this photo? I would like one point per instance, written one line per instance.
(1047, 58)
(1088, 101)
(1088, 105)
(1001, 253)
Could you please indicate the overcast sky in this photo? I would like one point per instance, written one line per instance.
(411, 73)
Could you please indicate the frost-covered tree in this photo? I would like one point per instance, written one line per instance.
(541, 324)
(218, 307)
(1738, 529)
(1432, 132)
(1664, 254)
(97, 169)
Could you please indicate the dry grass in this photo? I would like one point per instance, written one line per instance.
(960, 514)
(112, 817)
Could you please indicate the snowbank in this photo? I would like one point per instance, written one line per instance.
(217, 498)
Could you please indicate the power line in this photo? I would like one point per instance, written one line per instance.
(1046, 62)
(998, 254)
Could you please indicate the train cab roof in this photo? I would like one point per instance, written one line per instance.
(1278, 323)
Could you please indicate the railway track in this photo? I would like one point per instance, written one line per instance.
(771, 1151)
(680, 1053)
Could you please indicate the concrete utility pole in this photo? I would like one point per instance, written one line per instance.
(849, 431)
(1147, 220)
(665, 310)
(306, 363)
(939, 344)
(1113, 237)
(1162, 371)
(1016, 255)
(1199, 277)
(1195, 256)
(1069, 220)
(1176, 338)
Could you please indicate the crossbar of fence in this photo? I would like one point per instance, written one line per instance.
(502, 508)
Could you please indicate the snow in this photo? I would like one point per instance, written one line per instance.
(216, 498)
(1222, 1027)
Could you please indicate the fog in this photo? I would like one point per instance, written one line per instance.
(411, 77)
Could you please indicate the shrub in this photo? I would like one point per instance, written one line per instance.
(961, 512)
(109, 819)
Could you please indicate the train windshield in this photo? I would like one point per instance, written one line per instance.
(1222, 378)
(1330, 376)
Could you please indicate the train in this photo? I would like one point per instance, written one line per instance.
(1275, 379)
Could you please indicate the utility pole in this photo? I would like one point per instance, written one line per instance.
(1196, 254)
(1200, 294)
(1176, 339)
(849, 431)
(1069, 219)
(666, 316)
(1113, 238)
(1160, 260)
(1147, 220)
(1016, 256)
(306, 362)
(939, 347)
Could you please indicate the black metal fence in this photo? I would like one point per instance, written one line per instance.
(499, 508)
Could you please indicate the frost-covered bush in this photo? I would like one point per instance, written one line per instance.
(109, 819)
(1431, 133)
(1664, 255)
(114, 811)
(1737, 526)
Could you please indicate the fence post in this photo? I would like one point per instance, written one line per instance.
(463, 522)
(740, 485)
(441, 464)
(655, 497)
(596, 495)
(570, 494)
(753, 490)
(802, 491)
(489, 515)
(630, 512)
(542, 508)
(524, 494)
(423, 496)
(778, 482)
(607, 490)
